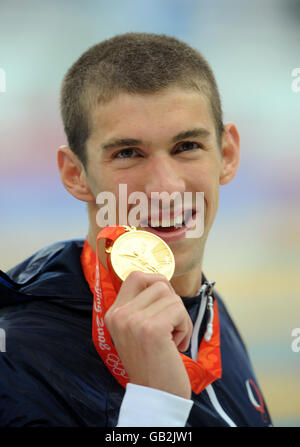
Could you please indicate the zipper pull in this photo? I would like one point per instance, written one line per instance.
(210, 304)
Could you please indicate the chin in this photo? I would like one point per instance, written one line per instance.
(186, 262)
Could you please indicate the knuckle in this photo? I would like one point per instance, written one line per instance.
(162, 287)
(114, 317)
(133, 322)
(160, 277)
(135, 276)
(149, 330)
(176, 302)
(107, 318)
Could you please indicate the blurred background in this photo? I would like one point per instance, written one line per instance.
(253, 250)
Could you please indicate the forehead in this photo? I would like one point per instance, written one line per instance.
(151, 116)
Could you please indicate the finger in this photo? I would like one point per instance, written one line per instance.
(159, 290)
(162, 319)
(181, 340)
(137, 282)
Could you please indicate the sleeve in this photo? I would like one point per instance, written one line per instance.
(148, 407)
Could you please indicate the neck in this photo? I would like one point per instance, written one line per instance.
(188, 284)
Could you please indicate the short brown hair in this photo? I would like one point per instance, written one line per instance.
(133, 63)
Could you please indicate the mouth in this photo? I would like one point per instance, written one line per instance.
(174, 228)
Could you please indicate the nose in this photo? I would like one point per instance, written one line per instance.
(163, 174)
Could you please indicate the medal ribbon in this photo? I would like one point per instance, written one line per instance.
(105, 288)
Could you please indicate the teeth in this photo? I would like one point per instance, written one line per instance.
(172, 222)
(167, 223)
(178, 221)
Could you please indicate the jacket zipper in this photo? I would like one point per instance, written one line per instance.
(206, 302)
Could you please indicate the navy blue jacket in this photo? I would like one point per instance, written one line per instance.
(51, 374)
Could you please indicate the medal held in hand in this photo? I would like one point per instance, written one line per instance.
(142, 251)
(127, 250)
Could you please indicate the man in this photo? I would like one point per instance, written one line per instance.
(143, 111)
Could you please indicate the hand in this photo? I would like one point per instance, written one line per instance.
(149, 325)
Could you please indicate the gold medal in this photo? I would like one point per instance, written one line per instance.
(143, 251)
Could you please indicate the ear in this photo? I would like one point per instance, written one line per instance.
(73, 175)
(230, 153)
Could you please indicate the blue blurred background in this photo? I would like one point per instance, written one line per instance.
(253, 250)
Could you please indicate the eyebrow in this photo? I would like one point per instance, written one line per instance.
(197, 132)
(125, 142)
(119, 142)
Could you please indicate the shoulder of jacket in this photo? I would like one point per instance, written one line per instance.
(36, 263)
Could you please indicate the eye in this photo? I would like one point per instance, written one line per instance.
(126, 153)
(187, 146)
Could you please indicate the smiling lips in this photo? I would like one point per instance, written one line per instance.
(171, 229)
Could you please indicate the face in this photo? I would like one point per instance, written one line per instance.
(162, 142)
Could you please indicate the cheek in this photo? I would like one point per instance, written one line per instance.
(212, 203)
(102, 180)
(208, 183)
(113, 182)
